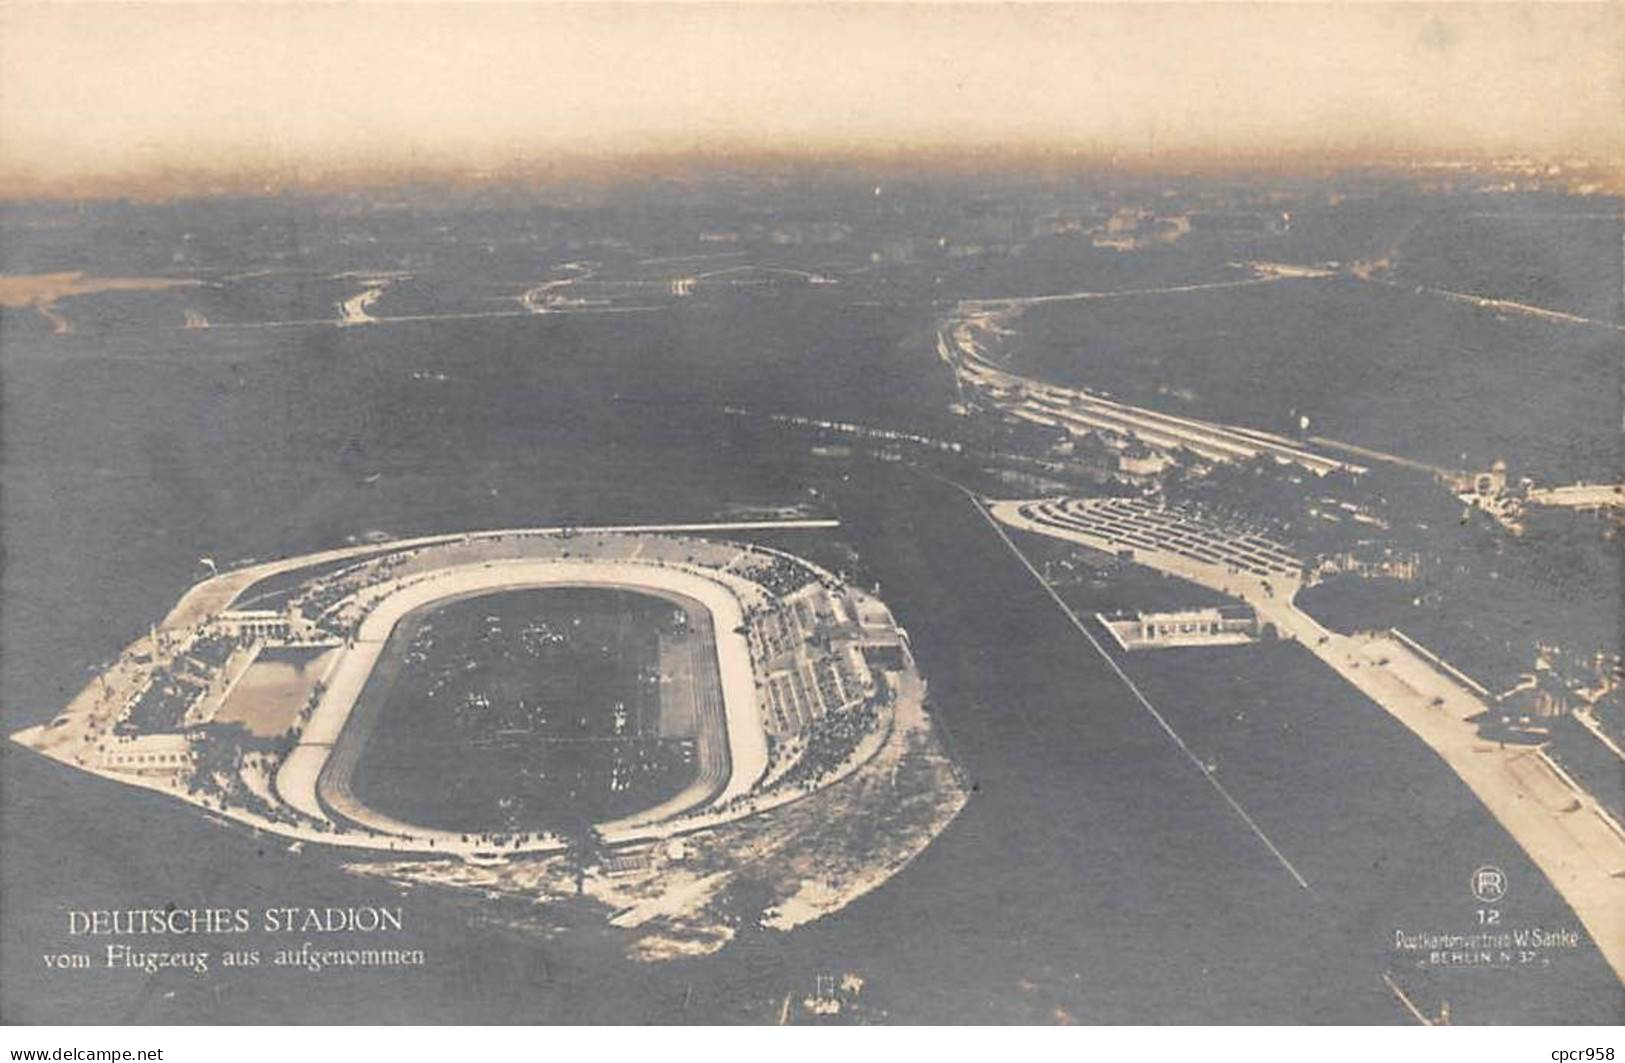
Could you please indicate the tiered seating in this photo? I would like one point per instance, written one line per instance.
(774, 633)
(329, 591)
(829, 741)
(1135, 522)
(793, 710)
(781, 576)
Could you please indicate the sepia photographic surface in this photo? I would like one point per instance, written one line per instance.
(806, 514)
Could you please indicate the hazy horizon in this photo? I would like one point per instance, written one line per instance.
(149, 99)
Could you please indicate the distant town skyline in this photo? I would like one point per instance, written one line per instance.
(139, 98)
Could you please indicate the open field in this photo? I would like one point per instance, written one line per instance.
(43, 289)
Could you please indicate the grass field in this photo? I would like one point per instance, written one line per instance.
(532, 709)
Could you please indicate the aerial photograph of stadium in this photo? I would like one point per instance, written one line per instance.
(812, 514)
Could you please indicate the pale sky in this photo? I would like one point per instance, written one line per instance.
(107, 93)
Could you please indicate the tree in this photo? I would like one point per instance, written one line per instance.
(584, 846)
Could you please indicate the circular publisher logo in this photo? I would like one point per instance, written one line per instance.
(1489, 884)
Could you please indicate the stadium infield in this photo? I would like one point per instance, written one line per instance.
(731, 747)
